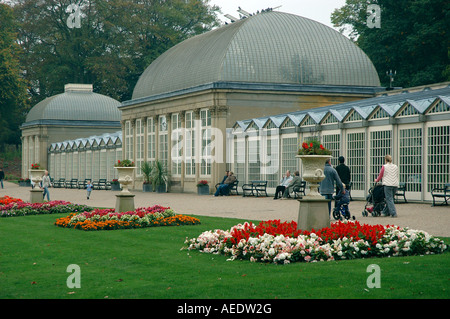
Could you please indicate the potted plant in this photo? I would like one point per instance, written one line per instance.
(160, 176)
(313, 156)
(115, 185)
(203, 187)
(146, 169)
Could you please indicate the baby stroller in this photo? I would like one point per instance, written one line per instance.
(376, 203)
(341, 210)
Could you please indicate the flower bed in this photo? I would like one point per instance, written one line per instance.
(5, 200)
(273, 241)
(19, 208)
(108, 219)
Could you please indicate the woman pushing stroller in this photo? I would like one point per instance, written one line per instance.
(389, 175)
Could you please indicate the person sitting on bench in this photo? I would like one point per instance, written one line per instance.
(224, 188)
(295, 182)
(284, 182)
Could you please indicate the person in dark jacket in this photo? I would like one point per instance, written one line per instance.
(2, 176)
(343, 172)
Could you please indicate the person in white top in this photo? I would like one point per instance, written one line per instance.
(389, 174)
(284, 182)
(46, 183)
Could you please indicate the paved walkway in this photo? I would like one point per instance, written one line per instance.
(434, 220)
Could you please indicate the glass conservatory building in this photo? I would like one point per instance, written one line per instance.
(86, 158)
(263, 65)
(414, 127)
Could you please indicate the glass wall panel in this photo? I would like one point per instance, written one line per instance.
(333, 143)
(176, 151)
(253, 159)
(356, 153)
(139, 146)
(410, 158)
(163, 140)
(438, 169)
(380, 146)
(151, 140)
(189, 147)
(289, 149)
(239, 160)
(205, 122)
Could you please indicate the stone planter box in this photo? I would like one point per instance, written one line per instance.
(115, 187)
(147, 188)
(161, 188)
(203, 190)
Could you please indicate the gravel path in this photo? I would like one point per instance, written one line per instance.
(434, 220)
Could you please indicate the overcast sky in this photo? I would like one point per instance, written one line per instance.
(318, 10)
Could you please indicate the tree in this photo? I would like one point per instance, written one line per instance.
(109, 45)
(413, 39)
(12, 85)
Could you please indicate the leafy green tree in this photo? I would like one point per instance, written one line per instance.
(110, 47)
(12, 85)
(413, 40)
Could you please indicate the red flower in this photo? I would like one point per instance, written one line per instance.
(321, 147)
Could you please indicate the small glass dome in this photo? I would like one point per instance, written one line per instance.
(77, 103)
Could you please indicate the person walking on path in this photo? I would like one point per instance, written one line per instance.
(46, 183)
(89, 188)
(389, 175)
(327, 185)
(2, 176)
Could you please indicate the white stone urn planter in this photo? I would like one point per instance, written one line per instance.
(36, 175)
(312, 168)
(125, 178)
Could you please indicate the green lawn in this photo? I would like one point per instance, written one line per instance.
(149, 263)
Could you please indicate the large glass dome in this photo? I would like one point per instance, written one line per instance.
(271, 47)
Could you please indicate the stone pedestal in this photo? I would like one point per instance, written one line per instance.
(124, 203)
(36, 195)
(313, 213)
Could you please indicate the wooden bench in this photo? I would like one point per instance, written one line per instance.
(82, 185)
(255, 188)
(443, 193)
(401, 192)
(299, 190)
(59, 183)
(100, 184)
(73, 183)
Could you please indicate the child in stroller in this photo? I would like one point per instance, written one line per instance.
(375, 204)
(342, 199)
